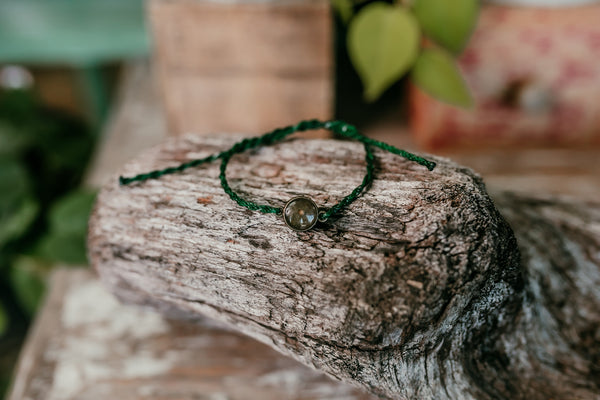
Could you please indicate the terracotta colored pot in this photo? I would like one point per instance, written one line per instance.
(534, 75)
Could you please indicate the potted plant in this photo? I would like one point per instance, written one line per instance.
(385, 41)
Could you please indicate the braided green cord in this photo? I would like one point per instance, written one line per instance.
(339, 127)
(157, 174)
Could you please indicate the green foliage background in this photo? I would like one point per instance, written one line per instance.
(43, 212)
(43, 152)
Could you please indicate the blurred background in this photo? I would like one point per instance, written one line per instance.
(510, 88)
(60, 67)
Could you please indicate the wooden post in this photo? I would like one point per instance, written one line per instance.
(243, 66)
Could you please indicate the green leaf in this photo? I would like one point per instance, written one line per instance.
(436, 73)
(383, 42)
(449, 23)
(69, 215)
(14, 182)
(15, 223)
(18, 209)
(27, 278)
(63, 248)
(12, 140)
(68, 219)
(344, 8)
(3, 320)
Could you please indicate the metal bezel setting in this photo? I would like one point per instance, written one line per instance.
(317, 212)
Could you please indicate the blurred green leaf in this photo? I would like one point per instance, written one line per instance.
(27, 278)
(436, 73)
(344, 8)
(449, 23)
(12, 140)
(383, 42)
(18, 106)
(3, 319)
(70, 214)
(66, 241)
(14, 182)
(17, 208)
(63, 248)
(15, 223)
(63, 141)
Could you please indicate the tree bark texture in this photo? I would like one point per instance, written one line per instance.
(417, 290)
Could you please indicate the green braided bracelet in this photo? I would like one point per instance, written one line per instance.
(300, 213)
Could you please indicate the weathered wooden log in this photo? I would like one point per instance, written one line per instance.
(555, 345)
(416, 291)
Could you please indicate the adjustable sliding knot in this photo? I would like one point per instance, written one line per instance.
(299, 213)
